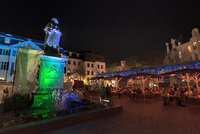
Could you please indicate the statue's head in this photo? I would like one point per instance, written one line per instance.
(55, 21)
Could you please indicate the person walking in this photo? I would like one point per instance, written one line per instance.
(119, 93)
(102, 91)
(108, 92)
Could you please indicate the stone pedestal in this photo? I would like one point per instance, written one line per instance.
(50, 78)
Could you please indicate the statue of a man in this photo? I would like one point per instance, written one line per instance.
(52, 37)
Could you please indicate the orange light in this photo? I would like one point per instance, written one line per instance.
(198, 95)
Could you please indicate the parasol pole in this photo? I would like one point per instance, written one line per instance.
(133, 82)
(158, 80)
(144, 79)
(196, 79)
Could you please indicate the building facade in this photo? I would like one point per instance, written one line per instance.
(84, 65)
(185, 48)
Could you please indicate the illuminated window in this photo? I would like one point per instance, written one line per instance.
(68, 71)
(189, 49)
(179, 54)
(2, 78)
(7, 40)
(194, 43)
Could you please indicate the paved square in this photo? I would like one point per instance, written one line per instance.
(148, 117)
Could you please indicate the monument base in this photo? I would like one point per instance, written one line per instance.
(50, 78)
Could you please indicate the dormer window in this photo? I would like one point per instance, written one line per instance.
(7, 40)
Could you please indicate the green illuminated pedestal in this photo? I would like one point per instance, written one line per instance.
(51, 76)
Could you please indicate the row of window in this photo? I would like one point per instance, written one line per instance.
(7, 52)
(92, 73)
(92, 66)
(88, 73)
(79, 63)
(74, 63)
(69, 71)
(74, 70)
(4, 52)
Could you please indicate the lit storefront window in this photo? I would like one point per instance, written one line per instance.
(189, 49)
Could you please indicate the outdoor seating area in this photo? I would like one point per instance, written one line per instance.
(180, 97)
(139, 95)
(182, 88)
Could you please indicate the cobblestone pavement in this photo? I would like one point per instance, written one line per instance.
(148, 117)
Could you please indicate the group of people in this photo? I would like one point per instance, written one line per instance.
(105, 92)
(168, 96)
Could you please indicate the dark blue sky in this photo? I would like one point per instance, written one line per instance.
(116, 28)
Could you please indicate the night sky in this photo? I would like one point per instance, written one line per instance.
(116, 28)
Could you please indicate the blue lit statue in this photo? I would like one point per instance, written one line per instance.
(52, 38)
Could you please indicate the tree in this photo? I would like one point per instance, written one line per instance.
(132, 61)
(111, 66)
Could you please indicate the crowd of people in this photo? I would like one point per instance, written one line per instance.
(178, 96)
(168, 95)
